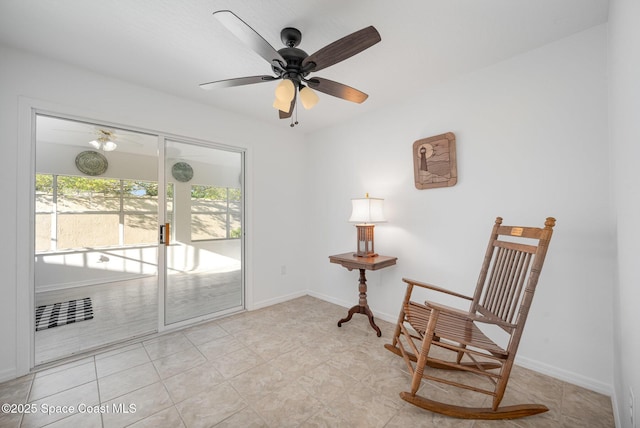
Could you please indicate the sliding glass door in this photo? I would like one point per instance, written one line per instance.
(204, 212)
(120, 253)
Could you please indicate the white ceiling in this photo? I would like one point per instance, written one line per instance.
(173, 45)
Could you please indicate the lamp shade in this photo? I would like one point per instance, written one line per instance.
(281, 105)
(104, 144)
(308, 97)
(285, 91)
(367, 210)
(109, 146)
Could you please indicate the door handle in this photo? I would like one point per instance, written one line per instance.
(165, 234)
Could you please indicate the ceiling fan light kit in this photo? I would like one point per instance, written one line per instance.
(104, 141)
(293, 65)
(107, 146)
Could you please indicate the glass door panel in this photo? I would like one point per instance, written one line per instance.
(96, 222)
(204, 256)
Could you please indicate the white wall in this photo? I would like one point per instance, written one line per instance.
(531, 142)
(624, 69)
(273, 169)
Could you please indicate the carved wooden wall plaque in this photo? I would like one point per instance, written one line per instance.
(434, 161)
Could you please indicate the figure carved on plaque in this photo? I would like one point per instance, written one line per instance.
(426, 151)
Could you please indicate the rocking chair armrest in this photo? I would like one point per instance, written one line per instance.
(436, 288)
(468, 316)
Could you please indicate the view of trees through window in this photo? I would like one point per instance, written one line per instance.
(79, 212)
(215, 213)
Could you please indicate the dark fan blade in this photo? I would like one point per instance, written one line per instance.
(342, 49)
(337, 89)
(287, 114)
(237, 82)
(248, 35)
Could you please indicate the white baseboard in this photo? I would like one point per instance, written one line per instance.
(330, 299)
(280, 299)
(616, 415)
(392, 318)
(566, 376)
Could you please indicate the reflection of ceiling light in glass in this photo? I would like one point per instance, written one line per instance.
(104, 141)
(104, 144)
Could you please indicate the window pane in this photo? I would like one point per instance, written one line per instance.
(140, 196)
(211, 208)
(169, 211)
(43, 232)
(140, 229)
(44, 203)
(235, 226)
(44, 208)
(235, 195)
(234, 206)
(208, 206)
(77, 194)
(208, 199)
(208, 226)
(87, 230)
(88, 202)
(44, 193)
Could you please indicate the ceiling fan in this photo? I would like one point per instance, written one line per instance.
(293, 65)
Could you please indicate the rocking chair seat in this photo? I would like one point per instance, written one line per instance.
(453, 325)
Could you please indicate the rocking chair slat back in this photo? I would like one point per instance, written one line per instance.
(504, 285)
(509, 266)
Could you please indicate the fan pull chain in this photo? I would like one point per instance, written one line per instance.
(295, 106)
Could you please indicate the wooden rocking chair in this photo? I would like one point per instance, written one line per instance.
(502, 298)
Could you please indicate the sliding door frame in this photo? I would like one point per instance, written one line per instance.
(28, 109)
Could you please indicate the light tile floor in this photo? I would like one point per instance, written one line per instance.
(124, 310)
(284, 366)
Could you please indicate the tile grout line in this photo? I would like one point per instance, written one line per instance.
(95, 368)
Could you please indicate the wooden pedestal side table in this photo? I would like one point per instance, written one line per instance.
(351, 261)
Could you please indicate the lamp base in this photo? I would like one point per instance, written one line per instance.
(365, 241)
(365, 254)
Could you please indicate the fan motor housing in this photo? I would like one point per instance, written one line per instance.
(294, 58)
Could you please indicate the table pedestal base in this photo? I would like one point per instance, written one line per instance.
(362, 307)
(357, 309)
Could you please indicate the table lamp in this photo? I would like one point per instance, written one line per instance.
(366, 211)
